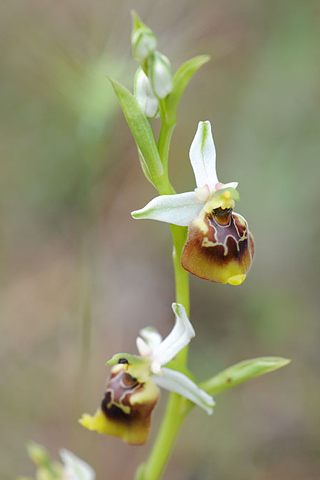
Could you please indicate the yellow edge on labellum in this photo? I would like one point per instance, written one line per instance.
(236, 279)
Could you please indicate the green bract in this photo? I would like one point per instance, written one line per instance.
(142, 132)
(241, 372)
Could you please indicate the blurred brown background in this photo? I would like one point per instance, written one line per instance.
(79, 277)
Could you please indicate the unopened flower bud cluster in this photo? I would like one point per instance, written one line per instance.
(153, 79)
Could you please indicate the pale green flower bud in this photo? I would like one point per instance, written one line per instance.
(143, 40)
(144, 94)
(38, 454)
(160, 75)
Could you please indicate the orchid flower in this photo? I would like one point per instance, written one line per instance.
(132, 391)
(75, 468)
(220, 246)
(72, 468)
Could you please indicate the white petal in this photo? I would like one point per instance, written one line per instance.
(178, 209)
(160, 74)
(151, 336)
(202, 193)
(227, 185)
(203, 157)
(177, 382)
(177, 339)
(143, 347)
(76, 468)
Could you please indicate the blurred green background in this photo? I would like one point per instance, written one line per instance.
(79, 277)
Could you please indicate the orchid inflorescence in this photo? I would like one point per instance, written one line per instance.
(216, 245)
(210, 241)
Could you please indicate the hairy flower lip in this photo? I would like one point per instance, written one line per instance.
(216, 252)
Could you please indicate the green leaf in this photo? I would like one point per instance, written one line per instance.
(180, 82)
(140, 473)
(241, 372)
(142, 132)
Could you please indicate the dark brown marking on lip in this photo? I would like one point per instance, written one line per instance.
(225, 241)
(221, 211)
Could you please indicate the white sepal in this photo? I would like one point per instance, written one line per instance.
(75, 468)
(203, 157)
(160, 74)
(178, 382)
(178, 338)
(144, 94)
(178, 209)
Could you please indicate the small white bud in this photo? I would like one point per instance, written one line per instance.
(144, 94)
(144, 43)
(143, 40)
(160, 75)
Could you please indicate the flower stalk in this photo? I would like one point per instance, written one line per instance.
(176, 410)
(175, 413)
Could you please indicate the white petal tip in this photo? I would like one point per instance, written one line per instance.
(143, 347)
(180, 313)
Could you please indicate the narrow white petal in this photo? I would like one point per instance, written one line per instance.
(177, 339)
(143, 348)
(151, 336)
(228, 185)
(178, 209)
(203, 157)
(76, 468)
(177, 382)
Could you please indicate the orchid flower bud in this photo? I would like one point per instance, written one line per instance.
(160, 74)
(143, 40)
(144, 94)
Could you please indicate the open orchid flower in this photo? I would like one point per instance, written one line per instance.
(132, 391)
(220, 246)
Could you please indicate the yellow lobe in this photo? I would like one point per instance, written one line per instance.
(236, 279)
(94, 422)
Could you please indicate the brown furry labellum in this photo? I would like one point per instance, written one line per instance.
(126, 408)
(219, 247)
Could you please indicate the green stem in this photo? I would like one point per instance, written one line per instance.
(175, 413)
(165, 440)
(175, 410)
